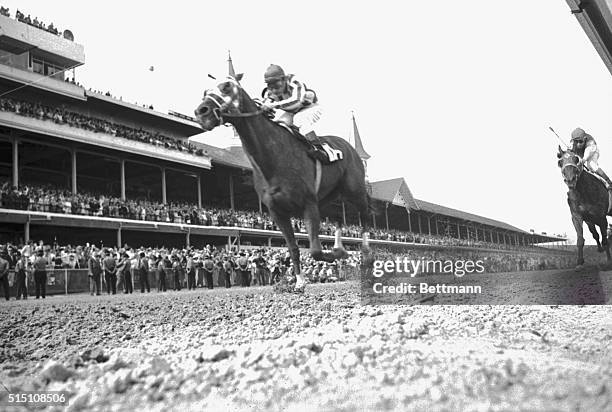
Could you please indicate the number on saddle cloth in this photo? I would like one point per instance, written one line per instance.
(332, 153)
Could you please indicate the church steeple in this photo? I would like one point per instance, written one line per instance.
(359, 145)
(230, 65)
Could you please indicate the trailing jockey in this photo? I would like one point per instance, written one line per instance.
(584, 146)
(296, 105)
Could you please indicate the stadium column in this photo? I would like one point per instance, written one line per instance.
(437, 233)
(386, 214)
(428, 225)
(26, 230)
(343, 215)
(231, 189)
(199, 179)
(15, 162)
(122, 177)
(163, 174)
(74, 171)
(119, 237)
(188, 237)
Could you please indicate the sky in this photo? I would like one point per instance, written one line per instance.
(455, 97)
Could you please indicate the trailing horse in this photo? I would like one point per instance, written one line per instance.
(288, 181)
(588, 202)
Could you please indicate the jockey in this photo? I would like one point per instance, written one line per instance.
(584, 145)
(297, 105)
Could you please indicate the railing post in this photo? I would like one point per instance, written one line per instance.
(66, 281)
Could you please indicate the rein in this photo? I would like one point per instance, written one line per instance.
(250, 114)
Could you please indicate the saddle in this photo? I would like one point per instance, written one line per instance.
(322, 151)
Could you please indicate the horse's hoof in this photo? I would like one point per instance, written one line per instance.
(600, 249)
(579, 267)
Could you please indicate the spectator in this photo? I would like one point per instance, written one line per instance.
(21, 281)
(143, 272)
(4, 271)
(109, 265)
(40, 274)
(94, 268)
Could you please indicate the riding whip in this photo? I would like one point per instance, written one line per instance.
(559, 137)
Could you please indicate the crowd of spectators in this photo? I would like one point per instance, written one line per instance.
(108, 94)
(112, 269)
(493, 262)
(19, 16)
(60, 115)
(53, 200)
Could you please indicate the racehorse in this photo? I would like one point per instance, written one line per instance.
(588, 202)
(288, 181)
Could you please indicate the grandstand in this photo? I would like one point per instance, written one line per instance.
(79, 165)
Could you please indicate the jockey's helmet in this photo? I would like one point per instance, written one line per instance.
(274, 72)
(578, 135)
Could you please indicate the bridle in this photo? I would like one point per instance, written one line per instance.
(579, 166)
(223, 104)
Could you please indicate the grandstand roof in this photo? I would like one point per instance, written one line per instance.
(394, 191)
(458, 214)
(595, 17)
(234, 156)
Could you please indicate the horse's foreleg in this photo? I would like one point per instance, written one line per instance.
(603, 227)
(284, 224)
(577, 221)
(593, 230)
(312, 219)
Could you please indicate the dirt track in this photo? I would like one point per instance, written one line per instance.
(252, 349)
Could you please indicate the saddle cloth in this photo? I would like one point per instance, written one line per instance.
(325, 152)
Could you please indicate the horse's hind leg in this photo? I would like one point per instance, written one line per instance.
(284, 224)
(593, 230)
(313, 221)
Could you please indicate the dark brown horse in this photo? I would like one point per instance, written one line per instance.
(588, 201)
(285, 177)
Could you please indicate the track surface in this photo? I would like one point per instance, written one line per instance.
(252, 349)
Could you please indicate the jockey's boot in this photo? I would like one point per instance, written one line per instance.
(316, 150)
(313, 138)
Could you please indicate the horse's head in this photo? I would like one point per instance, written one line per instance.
(221, 100)
(571, 167)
